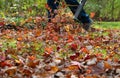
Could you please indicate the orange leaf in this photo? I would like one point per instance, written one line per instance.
(73, 67)
(48, 50)
(107, 65)
(38, 32)
(29, 19)
(70, 37)
(32, 57)
(69, 40)
(55, 38)
(84, 49)
(88, 77)
(19, 38)
(92, 14)
(54, 69)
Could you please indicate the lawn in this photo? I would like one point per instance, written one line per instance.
(107, 25)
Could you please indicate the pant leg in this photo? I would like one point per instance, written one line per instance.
(53, 6)
(83, 17)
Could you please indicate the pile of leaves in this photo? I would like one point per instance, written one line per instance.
(58, 49)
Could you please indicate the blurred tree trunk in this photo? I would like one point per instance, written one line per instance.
(112, 9)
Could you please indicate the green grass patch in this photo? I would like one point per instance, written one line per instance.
(107, 25)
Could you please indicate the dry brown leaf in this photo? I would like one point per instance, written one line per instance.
(11, 71)
(26, 72)
(73, 67)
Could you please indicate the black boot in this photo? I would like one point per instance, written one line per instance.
(86, 26)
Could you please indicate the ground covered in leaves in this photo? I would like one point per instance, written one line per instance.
(60, 49)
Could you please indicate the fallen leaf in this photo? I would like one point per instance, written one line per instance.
(107, 65)
(72, 57)
(2, 56)
(19, 38)
(32, 63)
(26, 72)
(5, 63)
(48, 50)
(32, 58)
(92, 61)
(54, 69)
(11, 71)
(85, 50)
(73, 67)
(74, 47)
(55, 38)
(2, 24)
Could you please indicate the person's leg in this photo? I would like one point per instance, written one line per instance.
(83, 17)
(53, 6)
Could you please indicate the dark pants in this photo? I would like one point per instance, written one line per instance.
(83, 17)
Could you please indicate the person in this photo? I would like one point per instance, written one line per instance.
(83, 16)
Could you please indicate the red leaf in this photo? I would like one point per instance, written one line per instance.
(87, 57)
(58, 48)
(2, 23)
(70, 38)
(5, 63)
(74, 47)
(80, 38)
(72, 57)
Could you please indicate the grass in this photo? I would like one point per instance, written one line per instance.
(107, 25)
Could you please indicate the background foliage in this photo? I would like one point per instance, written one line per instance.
(106, 9)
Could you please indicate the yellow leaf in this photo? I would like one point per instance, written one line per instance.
(54, 69)
(67, 28)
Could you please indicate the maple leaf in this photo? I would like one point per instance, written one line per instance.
(70, 38)
(84, 49)
(92, 14)
(5, 63)
(74, 47)
(48, 51)
(72, 57)
(55, 38)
